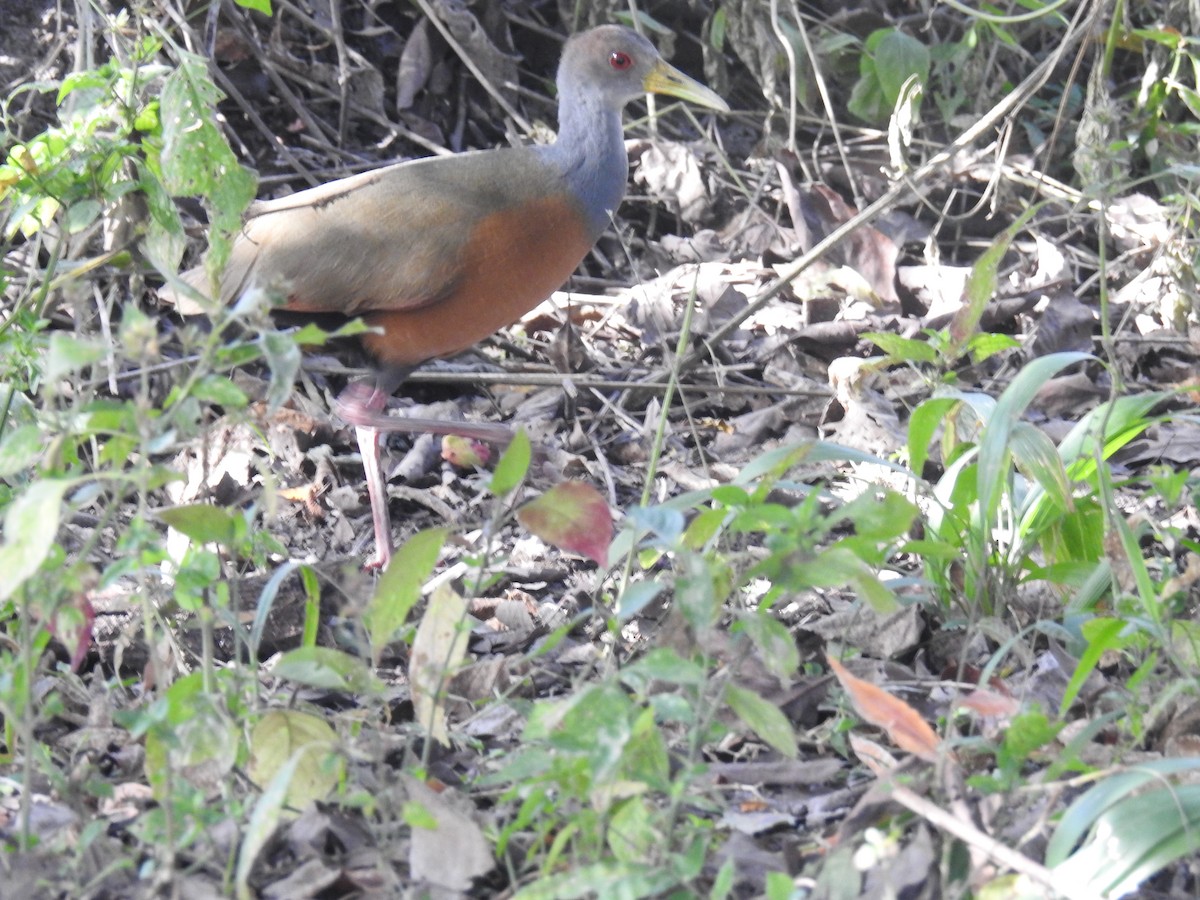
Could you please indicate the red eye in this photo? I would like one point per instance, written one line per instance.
(620, 61)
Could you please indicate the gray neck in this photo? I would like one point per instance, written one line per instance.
(590, 153)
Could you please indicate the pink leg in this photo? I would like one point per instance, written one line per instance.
(369, 442)
(361, 405)
(358, 399)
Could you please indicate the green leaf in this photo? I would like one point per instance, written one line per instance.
(775, 644)
(263, 822)
(512, 466)
(86, 78)
(20, 449)
(632, 836)
(833, 567)
(1036, 456)
(321, 667)
(270, 593)
(763, 718)
(1028, 731)
(645, 759)
(68, 354)
(206, 524)
(81, 214)
(898, 57)
(995, 444)
(902, 349)
(147, 120)
(665, 523)
(417, 816)
(198, 741)
(281, 735)
(399, 587)
(1085, 811)
(665, 665)
(878, 595)
(1116, 423)
(923, 425)
(1132, 840)
(879, 516)
(982, 283)
(985, 345)
(635, 598)
(282, 353)
(867, 101)
(1102, 635)
(722, 886)
(781, 886)
(220, 390)
(30, 526)
(196, 160)
(705, 527)
(604, 879)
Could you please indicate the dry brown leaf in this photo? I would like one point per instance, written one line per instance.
(902, 723)
(873, 755)
(306, 494)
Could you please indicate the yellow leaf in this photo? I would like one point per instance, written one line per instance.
(438, 648)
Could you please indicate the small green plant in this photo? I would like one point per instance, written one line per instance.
(1144, 813)
(890, 58)
(1011, 505)
(599, 810)
(84, 430)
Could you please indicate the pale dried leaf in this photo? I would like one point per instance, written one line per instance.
(416, 62)
(438, 649)
(453, 853)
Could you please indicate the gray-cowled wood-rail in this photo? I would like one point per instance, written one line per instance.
(436, 254)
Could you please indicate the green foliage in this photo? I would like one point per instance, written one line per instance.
(1166, 108)
(814, 541)
(1024, 737)
(72, 172)
(591, 769)
(110, 159)
(602, 795)
(197, 161)
(512, 467)
(1009, 506)
(1007, 492)
(400, 587)
(1153, 822)
(890, 59)
(943, 350)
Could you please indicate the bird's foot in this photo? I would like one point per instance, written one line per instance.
(361, 405)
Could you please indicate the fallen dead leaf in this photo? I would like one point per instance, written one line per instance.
(902, 723)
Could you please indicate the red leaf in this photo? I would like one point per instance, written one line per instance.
(465, 452)
(572, 516)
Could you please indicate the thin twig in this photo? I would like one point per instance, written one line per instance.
(968, 833)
